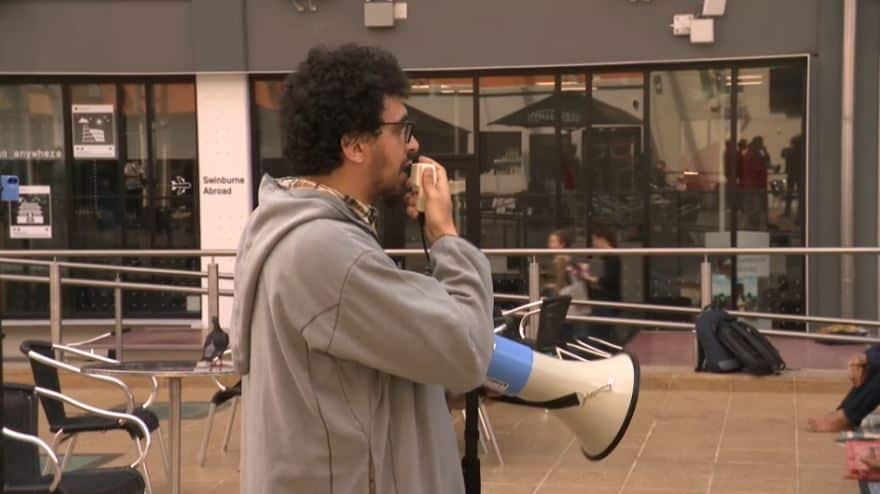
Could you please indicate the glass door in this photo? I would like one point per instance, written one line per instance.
(690, 192)
(132, 186)
(615, 169)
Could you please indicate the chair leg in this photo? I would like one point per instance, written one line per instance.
(206, 434)
(490, 432)
(483, 447)
(68, 452)
(229, 424)
(56, 440)
(166, 462)
(149, 489)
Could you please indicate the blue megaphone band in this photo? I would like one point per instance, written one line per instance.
(511, 366)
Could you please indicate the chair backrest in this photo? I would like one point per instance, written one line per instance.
(550, 321)
(21, 461)
(45, 376)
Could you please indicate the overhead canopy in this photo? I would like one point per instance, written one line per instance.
(437, 135)
(574, 109)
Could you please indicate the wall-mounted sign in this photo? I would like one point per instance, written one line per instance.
(31, 216)
(94, 131)
(180, 186)
(220, 185)
(31, 154)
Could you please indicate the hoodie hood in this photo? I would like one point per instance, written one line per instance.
(280, 211)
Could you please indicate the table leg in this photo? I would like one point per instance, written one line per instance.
(174, 432)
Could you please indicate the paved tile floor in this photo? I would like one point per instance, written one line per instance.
(691, 434)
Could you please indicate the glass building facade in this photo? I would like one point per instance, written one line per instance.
(682, 155)
(110, 164)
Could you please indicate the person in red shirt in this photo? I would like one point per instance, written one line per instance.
(753, 183)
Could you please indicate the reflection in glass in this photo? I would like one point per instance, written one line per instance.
(267, 99)
(769, 167)
(174, 151)
(174, 180)
(615, 169)
(96, 200)
(136, 170)
(689, 203)
(443, 112)
(519, 169)
(32, 147)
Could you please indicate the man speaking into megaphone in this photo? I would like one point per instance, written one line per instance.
(345, 357)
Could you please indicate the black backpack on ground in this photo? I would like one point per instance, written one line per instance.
(712, 356)
(722, 337)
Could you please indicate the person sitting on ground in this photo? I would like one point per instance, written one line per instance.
(862, 399)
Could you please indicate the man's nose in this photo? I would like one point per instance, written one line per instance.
(412, 146)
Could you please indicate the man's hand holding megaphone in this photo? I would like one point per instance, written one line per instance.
(438, 221)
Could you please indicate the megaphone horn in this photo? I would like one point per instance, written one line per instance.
(595, 399)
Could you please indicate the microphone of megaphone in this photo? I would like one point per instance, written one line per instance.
(595, 399)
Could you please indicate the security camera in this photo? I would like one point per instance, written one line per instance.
(713, 8)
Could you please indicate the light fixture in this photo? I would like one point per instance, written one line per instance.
(702, 31)
(714, 8)
(699, 26)
(304, 5)
(383, 13)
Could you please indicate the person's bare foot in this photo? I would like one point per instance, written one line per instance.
(833, 422)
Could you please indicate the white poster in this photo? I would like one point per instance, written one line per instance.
(94, 132)
(31, 216)
(746, 265)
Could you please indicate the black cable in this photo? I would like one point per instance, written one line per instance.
(470, 462)
(428, 268)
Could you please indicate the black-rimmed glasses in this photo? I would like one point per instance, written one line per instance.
(407, 129)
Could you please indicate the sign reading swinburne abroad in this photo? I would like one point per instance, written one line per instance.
(219, 185)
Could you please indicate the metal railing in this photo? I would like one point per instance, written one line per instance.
(213, 291)
(705, 287)
(55, 281)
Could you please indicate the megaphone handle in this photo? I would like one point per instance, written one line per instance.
(569, 400)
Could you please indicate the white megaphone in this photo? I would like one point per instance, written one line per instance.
(595, 399)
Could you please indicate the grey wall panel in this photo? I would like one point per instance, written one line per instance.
(95, 36)
(218, 35)
(468, 33)
(865, 151)
(824, 169)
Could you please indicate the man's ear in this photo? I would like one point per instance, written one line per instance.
(354, 147)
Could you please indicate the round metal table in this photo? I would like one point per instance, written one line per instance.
(174, 372)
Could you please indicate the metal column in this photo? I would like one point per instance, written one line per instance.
(55, 302)
(847, 263)
(534, 294)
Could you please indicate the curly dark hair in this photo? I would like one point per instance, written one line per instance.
(335, 92)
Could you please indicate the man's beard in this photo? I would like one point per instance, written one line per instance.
(392, 200)
(394, 196)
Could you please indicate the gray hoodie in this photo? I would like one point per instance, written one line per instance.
(345, 357)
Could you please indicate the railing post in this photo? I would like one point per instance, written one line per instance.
(117, 308)
(55, 301)
(213, 291)
(534, 293)
(705, 283)
(705, 299)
